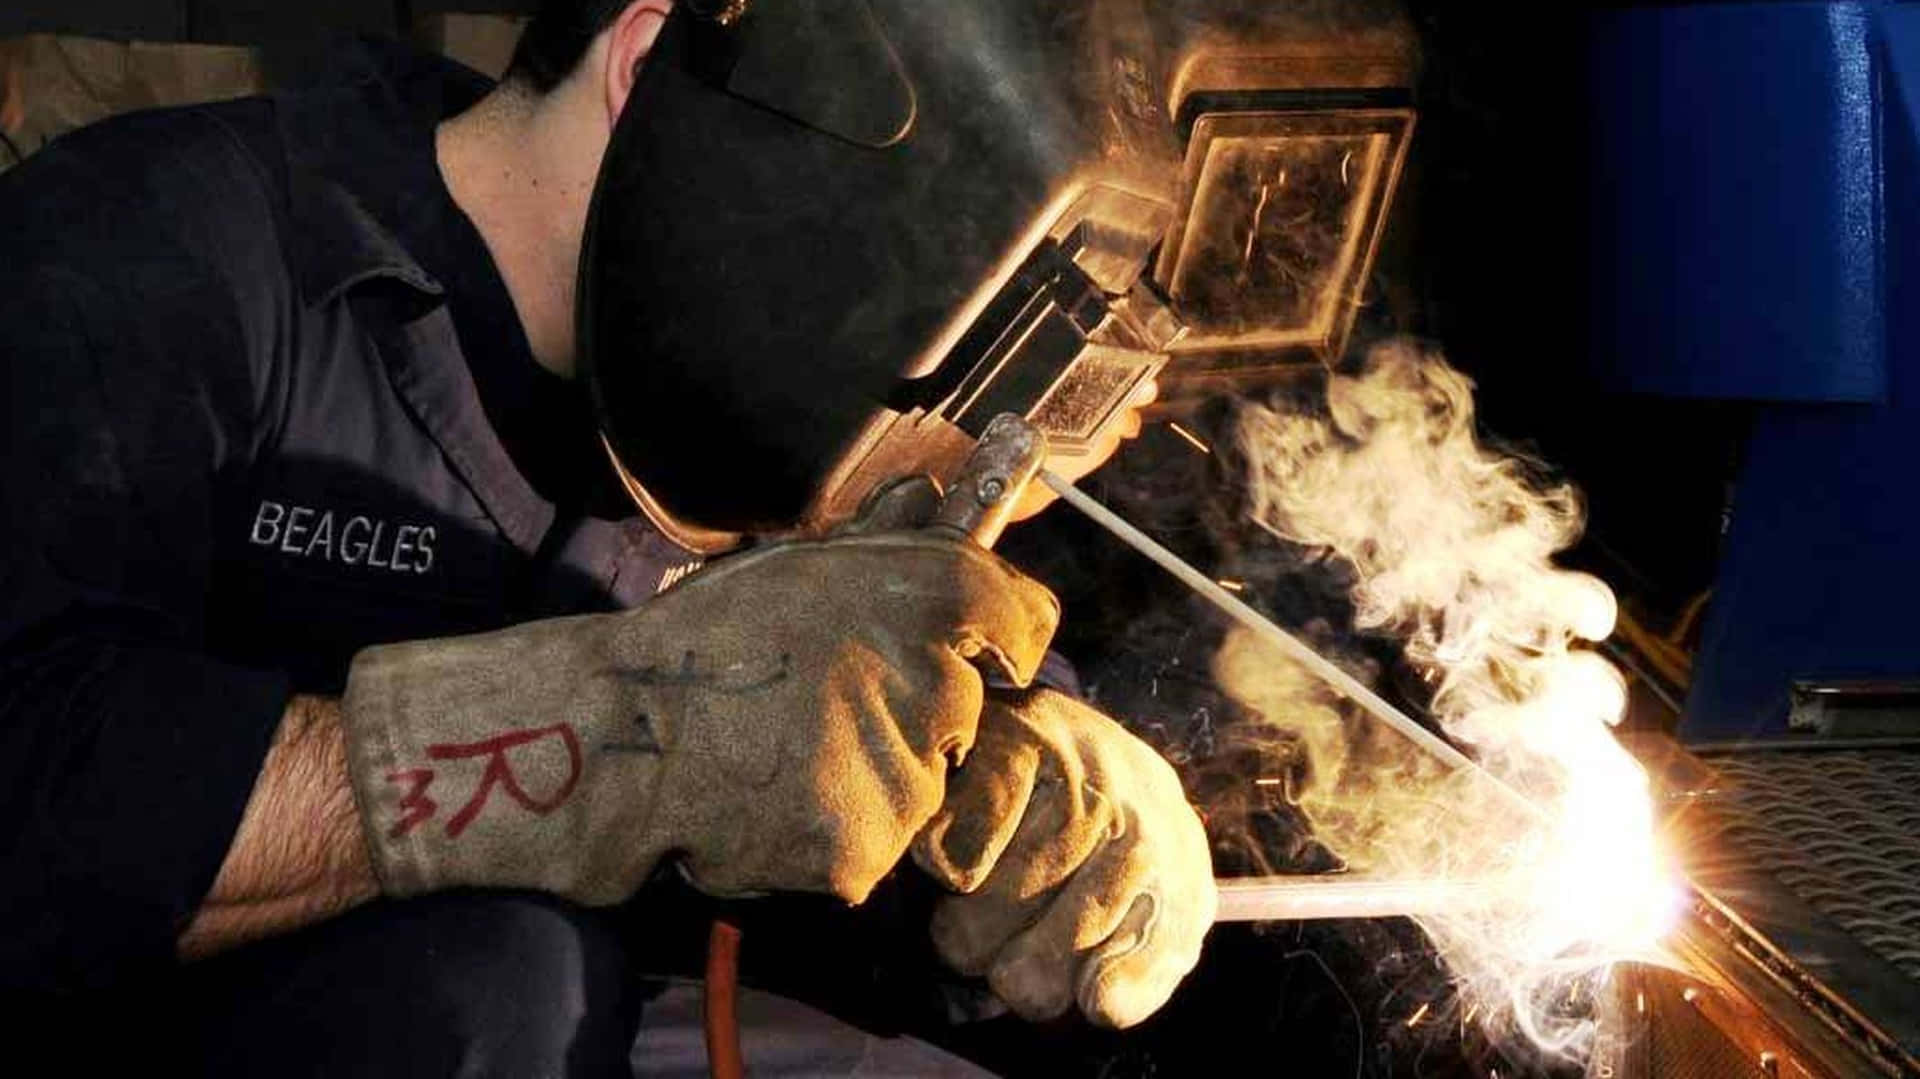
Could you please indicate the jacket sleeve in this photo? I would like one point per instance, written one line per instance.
(132, 339)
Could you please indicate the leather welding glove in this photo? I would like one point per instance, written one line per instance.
(1086, 875)
(783, 720)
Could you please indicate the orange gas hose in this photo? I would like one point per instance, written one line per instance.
(720, 1005)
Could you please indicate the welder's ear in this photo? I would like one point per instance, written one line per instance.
(899, 506)
(629, 39)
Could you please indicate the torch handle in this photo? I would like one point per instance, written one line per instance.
(982, 497)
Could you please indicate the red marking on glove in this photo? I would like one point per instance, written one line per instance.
(500, 772)
(415, 806)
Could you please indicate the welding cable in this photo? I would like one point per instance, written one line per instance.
(1669, 698)
(1669, 660)
(1689, 618)
(720, 1002)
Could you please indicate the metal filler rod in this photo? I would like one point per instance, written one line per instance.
(1295, 649)
(1303, 898)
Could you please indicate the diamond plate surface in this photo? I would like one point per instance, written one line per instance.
(1841, 828)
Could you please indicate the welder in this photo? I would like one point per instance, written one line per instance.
(339, 664)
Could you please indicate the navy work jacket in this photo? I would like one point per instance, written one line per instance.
(242, 442)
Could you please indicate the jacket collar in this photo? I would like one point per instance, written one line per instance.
(363, 120)
(361, 131)
(421, 355)
(337, 244)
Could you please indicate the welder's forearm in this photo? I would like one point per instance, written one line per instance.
(298, 856)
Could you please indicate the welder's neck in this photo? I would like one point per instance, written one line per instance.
(521, 166)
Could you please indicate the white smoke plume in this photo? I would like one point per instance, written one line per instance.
(1451, 545)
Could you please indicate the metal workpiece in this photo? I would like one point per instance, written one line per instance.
(1789, 945)
(1813, 850)
(1343, 895)
(1841, 830)
(1746, 997)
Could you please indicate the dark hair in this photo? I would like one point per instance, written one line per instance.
(553, 43)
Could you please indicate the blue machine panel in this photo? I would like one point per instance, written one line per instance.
(1820, 578)
(1736, 202)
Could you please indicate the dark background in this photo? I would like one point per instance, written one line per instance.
(230, 22)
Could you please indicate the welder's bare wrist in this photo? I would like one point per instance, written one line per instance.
(298, 856)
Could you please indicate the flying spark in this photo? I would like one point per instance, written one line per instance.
(1190, 437)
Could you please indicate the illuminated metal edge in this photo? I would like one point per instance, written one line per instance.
(1792, 957)
(1770, 1008)
(1813, 994)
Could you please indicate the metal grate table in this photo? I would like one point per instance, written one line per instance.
(1841, 829)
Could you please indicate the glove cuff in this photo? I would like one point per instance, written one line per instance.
(369, 713)
(489, 761)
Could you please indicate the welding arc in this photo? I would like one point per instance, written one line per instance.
(1294, 648)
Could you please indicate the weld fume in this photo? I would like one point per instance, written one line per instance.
(1450, 546)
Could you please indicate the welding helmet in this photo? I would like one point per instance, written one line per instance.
(830, 239)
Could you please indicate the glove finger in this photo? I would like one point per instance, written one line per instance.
(970, 930)
(1128, 976)
(1001, 613)
(934, 717)
(1064, 824)
(986, 800)
(1133, 972)
(905, 503)
(1037, 971)
(934, 588)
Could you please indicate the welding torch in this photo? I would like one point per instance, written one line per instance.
(977, 506)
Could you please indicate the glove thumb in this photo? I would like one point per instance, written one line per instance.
(899, 506)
